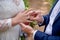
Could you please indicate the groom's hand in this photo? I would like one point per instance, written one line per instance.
(26, 28)
(35, 15)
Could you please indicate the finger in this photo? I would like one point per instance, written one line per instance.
(22, 25)
(30, 12)
(39, 15)
(32, 18)
(28, 17)
(27, 11)
(37, 11)
(33, 13)
(28, 21)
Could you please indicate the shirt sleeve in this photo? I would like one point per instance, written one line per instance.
(40, 23)
(5, 24)
(34, 33)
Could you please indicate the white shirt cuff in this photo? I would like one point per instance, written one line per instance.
(34, 33)
(41, 22)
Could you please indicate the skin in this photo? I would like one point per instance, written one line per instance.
(28, 29)
(21, 17)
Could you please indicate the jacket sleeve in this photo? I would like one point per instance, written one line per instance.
(46, 20)
(42, 36)
(5, 24)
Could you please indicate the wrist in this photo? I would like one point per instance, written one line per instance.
(42, 20)
(9, 22)
(14, 21)
(32, 32)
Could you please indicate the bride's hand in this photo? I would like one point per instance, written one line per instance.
(21, 17)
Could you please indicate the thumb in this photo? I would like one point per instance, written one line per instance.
(22, 25)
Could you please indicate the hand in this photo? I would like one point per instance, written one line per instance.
(36, 15)
(21, 17)
(26, 28)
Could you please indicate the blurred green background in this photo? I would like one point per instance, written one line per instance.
(51, 2)
(27, 3)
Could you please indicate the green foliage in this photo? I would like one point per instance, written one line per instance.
(51, 2)
(22, 38)
(26, 3)
(32, 24)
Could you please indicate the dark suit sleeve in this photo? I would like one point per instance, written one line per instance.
(46, 20)
(42, 36)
